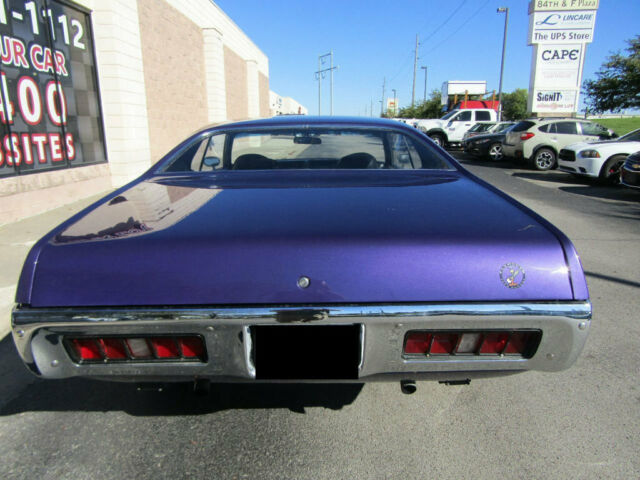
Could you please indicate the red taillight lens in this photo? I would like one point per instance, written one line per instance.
(444, 343)
(86, 349)
(417, 342)
(494, 343)
(191, 347)
(518, 343)
(527, 135)
(165, 347)
(113, 348)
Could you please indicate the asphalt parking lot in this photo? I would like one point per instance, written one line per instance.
(580, 423)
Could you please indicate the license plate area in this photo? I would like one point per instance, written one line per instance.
(306, 352)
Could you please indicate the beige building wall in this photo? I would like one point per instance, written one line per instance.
(236, 85)
(174, 75)
(263, 88)
(165, 68)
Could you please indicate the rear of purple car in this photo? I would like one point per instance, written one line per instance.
(302, 249)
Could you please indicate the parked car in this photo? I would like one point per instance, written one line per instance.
(601, 160)
(538, 140)
(488, 146)
(449, 130)
(305, 249)
(630, 171)
(485, 128)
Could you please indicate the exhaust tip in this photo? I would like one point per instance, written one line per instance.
(408, 387)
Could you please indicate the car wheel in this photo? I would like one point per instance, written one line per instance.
(610, 172)
(437, 139)
(544, 159)
(495, 152)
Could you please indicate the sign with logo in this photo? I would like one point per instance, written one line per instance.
(560, 101)
(392, 105)
(562, 5)
(558, 66)
(562, 27)
(49, 102)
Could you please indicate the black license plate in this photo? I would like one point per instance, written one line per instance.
(306, 352)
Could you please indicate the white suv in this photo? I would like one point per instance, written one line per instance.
(539, 140)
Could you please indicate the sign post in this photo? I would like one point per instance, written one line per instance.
(559, 31)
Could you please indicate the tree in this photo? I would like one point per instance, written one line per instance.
(514, 104)
(617, 83)
(427, 109)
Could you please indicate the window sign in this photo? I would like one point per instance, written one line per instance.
(49, 101)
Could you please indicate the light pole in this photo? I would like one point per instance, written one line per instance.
(425, 84)
(395, 102)
(504, 46)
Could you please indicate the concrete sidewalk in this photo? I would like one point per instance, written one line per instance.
(16, 239)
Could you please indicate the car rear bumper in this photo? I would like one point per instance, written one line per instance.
(227, 334)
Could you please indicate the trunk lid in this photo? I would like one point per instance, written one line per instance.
(247, 238)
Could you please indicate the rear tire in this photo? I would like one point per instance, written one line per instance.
(437, 139)
(544, 159)
(610, 171)
(495, 152)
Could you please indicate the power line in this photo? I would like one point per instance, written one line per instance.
(473, 15)
(446, 21)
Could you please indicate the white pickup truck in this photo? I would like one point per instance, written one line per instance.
(449, 130)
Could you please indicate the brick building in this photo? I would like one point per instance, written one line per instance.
(134, 78)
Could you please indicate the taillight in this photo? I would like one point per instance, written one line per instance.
(122, 349)
(87, 348)
(527, 135)
(485, 343)
(165, 347)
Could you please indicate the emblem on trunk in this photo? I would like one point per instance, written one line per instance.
(512, 275)
(304, 282)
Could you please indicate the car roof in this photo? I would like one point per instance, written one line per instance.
(309, 120)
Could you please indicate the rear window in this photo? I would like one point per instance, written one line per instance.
(522, 126)
(307, 149)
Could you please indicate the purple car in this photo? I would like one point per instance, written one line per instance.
(302, 249)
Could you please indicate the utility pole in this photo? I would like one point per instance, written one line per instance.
(415, 67)
(425, 83)
(331, 91)
(371, 109)
(504, 46)
(320, 75)
(384, 83)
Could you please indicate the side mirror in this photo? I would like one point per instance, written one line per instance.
(612, 134)
(211, 162)
(404, 158)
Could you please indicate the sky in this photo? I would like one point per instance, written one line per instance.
(373, 40)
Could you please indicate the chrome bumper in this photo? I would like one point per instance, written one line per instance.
(38, 337)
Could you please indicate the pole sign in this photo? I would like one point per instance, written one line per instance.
(559, 31)
(562, 5)
(391, 105)
(49, 101)
(561, 27)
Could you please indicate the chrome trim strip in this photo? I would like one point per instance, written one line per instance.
(248, 347)
(27, 315)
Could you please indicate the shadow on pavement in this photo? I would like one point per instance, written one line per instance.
(22, 392)
(608, 193)
(608, 278)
